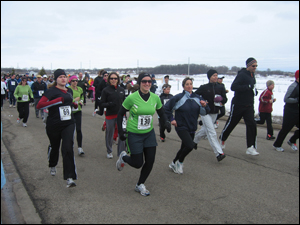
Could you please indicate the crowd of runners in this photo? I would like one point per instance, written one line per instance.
(128, 105)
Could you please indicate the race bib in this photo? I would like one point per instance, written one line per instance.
(126, 91)
(144, 122)
(12, 83)
(165, 101)
(25, 98)
(41, 93)
(65, 112)
(124, 122)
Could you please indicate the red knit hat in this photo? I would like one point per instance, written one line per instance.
(297, 74)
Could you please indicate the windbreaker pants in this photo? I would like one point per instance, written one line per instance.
(236, 114)
(37, 111)
(66, 134)
(208, 130)
(110, 129)
(290, 119)
(23, 109)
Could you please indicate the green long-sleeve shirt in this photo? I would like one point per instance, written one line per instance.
(77, 93)
(24, 92)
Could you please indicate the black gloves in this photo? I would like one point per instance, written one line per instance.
(31, 100)
(122, 134)
(19, 98)
(168, 126)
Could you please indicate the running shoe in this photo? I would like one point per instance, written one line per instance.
(120, 162)
(179, 166)
(80, 151)
(104, 126)
(251, 151)
(270, 137)
(70, 183)
(10, 106)
(109, 156)
(18, 120)
(52, 171)
(24, 125)
(142, 189)
(95, 112)
(162, 139)
(221, 157)
(279, 149)
(14, 106)
(293, 145)
(222, 143)
(173, 167)
(195, 146)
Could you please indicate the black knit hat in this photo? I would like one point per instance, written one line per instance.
(210, 73)
(58, 72)
(250, 61)
(141, 76)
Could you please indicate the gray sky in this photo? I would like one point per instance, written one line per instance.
(118, 34)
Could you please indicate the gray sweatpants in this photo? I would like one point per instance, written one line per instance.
(109, 134)
(208, 130)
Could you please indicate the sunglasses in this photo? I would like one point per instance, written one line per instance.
(145, 81)
(74, 80)
(113, 78)
(254, 66)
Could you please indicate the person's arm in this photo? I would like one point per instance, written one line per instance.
(289, 97)
(45, 103)
(164, 119)
(122, 133)
(239, 85)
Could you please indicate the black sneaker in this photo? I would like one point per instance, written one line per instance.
(220, 157)
(195, 146)
(269, 137)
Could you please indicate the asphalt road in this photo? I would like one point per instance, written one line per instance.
(239, 189)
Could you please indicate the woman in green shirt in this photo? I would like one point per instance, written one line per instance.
(78, 99)
(24, 96)
(141, 140)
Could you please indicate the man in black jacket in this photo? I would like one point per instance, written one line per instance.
(215, 94)
(242, 106)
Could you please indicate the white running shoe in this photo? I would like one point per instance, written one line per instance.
(293, 145)
(109, 156)
(120, 162)
(70, 183)
(179, 166)
(251, 151)
(173, 167)
(18, 120)
(52, 171)
(95, 112)
(80, 151)
(142, 189)
(216, 126)
(222, 143)
(10, 106)
(24, 125)
(279, 149)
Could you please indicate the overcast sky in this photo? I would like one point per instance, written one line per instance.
(101, 34)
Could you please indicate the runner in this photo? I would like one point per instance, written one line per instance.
(215, 94)
(141, 141)
(164, 98)
(38, 89)
(78, 99)
(60, 126)
(112, 98)
(187, 106)
(12, 83)
(24, 96)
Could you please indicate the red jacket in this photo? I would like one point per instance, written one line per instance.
(264, 101)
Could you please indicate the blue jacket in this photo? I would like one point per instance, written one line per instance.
(12, 84)
(187, 109)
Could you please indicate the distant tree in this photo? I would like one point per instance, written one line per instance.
(42, 71)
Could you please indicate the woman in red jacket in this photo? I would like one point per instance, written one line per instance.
(265, 108)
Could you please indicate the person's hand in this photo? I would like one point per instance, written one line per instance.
(122, 134)
(218, 98)
(174, 123)
(19, 98)
(31, 100)
(168, 126)
(75, 105)
(203, 103)
(274, 99)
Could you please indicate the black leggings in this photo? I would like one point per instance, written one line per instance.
(187, 144)
(78, 117)
(137, 161)
(23, 109)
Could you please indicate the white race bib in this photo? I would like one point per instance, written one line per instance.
(65, 112)
(126, 91)
(124, 123)
(25, 98)
(144, 122)
(12, 83)
(41, 93)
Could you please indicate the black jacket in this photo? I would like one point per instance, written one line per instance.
(209, 91)
(81, 83)
(244, 88)
(112, 98)
(164, 98)
(97, 81)
(100, 87)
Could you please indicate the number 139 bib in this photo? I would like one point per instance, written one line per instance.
(144, 122)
